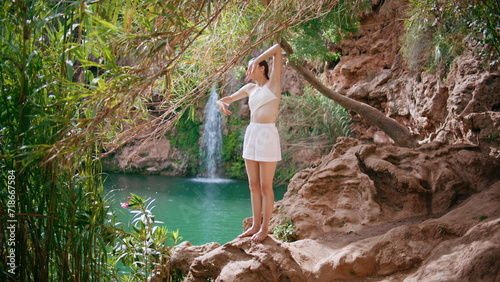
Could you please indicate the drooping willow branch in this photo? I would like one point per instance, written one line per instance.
(156, 54)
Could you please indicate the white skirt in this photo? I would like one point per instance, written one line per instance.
(262, 143)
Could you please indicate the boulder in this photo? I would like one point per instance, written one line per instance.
(462, 245)
(359, 185)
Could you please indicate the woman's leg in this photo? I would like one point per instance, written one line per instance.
(266, 176)
(252, 168)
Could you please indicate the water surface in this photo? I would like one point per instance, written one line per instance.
(204, 210)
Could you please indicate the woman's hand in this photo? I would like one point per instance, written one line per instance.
(223, 107)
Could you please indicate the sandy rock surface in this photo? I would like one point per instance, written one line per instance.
(462, 245)
(360, 185)
(378, 213)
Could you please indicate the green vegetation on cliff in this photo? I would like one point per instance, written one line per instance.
(310, 39)
(309, 125)
(233, 164)
(436, 32)
(53, 213)
(185, 137)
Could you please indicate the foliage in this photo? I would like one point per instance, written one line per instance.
(303, 112)
(185, 138)
(152, 61)
(174, 51)
(245, 28)
(58, 204)
(310, 39)
(144, 249)
(232, 146)
(285, 230)
(311, 121)
(437, 31)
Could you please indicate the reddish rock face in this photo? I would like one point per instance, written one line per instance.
(379, 212)
(460, 106)
(359, 185)
(151, 156)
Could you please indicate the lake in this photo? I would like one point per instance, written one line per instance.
(203, 209)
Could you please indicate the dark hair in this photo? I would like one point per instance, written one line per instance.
(266, 68)
(265, 65)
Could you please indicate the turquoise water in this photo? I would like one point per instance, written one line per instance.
(204, 210)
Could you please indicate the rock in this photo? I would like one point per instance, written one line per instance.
(467, 259)
(461, 245)
(182, 255)
(472, 257)
(378, 211)
(291, 81)
(358, 185)
(244, 260)
(484, 128)
(380, 137)
(372, 49)
(150, 157)
(406, 247)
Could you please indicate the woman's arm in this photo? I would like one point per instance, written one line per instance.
(275, 76)
(224, 102)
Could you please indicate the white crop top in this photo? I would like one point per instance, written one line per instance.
(259, 97)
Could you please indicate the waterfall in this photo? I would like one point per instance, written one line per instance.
(212, 136)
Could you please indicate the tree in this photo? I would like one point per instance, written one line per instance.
(334, 20)
(77, 78)
(392, 128)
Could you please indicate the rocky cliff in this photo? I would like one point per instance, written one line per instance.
(372, 211)
(377, 212)
(150, 157)
(460, 106)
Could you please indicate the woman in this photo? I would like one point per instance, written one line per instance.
(261, 147)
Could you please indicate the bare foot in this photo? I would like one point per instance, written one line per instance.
(249, 232)
(259, 236)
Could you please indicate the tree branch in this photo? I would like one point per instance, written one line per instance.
(392, 128)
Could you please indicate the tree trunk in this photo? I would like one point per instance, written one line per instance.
(400, 134)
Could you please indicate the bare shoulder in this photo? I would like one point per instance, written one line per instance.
(243, 92)
(249, 87)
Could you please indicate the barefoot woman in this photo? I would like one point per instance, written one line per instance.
(261, 147)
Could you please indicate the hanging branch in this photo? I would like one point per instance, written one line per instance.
(392, 128)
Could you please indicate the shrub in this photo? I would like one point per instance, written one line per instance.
(232, 146)
(436, 31)
(144, 249)
(310, 39)
(185, 138)
(308, 121)
(285, 230)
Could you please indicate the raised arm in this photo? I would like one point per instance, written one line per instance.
(274, 51)
(274, 78)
